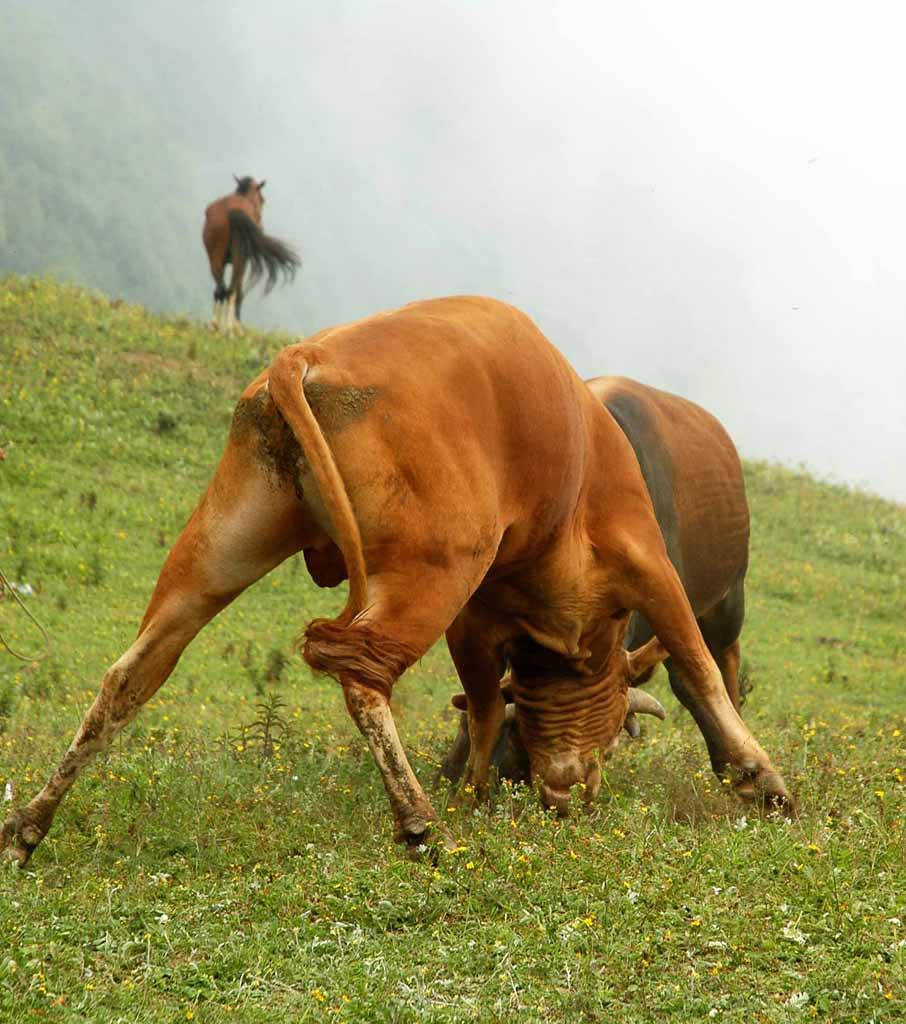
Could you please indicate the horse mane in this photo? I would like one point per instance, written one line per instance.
(244, 184)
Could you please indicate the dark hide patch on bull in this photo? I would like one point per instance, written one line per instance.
(722, 625)
(279, 451)
(532, 661)
(657, 470)
(337, 406)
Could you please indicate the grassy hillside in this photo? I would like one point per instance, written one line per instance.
(190, 876)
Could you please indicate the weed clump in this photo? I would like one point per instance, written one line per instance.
(164, 424)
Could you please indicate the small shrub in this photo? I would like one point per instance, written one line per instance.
(165, 423)
(265, 733)
(96, 571)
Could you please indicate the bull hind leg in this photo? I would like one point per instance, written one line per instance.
(243, 527)
(406, 614)
(728, 661)
(720, 628)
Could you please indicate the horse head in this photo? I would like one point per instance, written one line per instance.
(251, 189)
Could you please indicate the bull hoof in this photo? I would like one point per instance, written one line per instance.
(767, 791)
(18, 840)
(425, 839)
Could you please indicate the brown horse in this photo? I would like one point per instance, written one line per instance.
(232, 234)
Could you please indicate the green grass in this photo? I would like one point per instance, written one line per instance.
(190, 877)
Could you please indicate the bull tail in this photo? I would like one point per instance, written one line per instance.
(286, 380)
(266, 256)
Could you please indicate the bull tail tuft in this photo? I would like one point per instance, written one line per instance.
(358, 652)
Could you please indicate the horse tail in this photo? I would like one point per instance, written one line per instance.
(264, 254)
(286, 383)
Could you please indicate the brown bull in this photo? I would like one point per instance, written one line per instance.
(448, 459)
(695, 481)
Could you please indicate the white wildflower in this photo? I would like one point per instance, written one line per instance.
(792, 934)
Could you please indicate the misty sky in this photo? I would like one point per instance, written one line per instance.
(708, 196)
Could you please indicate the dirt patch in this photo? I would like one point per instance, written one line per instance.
(278, 449)
(150, 360)
(336, 407)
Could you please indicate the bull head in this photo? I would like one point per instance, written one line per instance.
(552, 730)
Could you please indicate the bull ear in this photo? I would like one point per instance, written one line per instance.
(460, 702)
(261, 184)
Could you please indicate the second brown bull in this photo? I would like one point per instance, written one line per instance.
(695, 481)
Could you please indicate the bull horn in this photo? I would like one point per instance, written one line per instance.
(646, 657)
(643, 703)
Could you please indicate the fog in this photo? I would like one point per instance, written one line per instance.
(707, 196)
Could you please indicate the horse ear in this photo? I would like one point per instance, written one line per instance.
(261, 184)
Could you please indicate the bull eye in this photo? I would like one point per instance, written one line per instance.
(619, 614)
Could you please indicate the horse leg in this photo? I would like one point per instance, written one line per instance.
(243, 527)
(240, 295)
(220, 294)
(217, 263)
(235, 291)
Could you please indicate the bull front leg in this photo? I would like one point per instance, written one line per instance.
(480, 667)
(653, 587)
